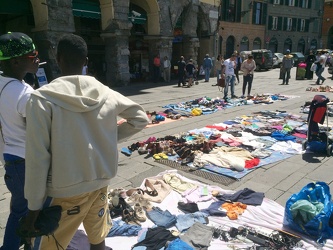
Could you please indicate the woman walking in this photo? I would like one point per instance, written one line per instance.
(248, 67)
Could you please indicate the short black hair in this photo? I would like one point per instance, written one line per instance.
(73, 49)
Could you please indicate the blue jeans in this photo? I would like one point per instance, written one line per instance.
(229, 80)
(14, 179)
(286, 76)
(320, 77)
(207, 74)
(161, 218)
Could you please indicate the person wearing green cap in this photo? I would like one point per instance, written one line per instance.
(18, 56)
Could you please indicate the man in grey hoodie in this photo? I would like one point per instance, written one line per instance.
(72, 155)
(287, 64)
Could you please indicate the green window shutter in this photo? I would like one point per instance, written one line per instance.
(264, 13)
(309, 4)
(296, 3)
(224, 10)
(238, 11)
(279, 26)
(294, 24)
(298, 25)
(284, 23)
(306, 28)
(270, 22)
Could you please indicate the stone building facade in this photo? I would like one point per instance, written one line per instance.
(327, 29)
(123, 36)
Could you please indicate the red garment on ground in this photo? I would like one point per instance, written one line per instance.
(220, 128)
(252, 163)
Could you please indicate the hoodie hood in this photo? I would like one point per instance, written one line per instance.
(76, 93)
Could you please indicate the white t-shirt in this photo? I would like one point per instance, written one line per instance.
(13, 102)
(229, 67)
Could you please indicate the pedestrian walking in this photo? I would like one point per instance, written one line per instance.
(320, 69)
(18, 56)
(286, 66)
(166, 69)
(207, 65)
(190, 70)
(181, 71)
(74, 171)
(248, 67)
(229, 72)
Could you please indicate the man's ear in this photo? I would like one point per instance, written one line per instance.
(86, 63)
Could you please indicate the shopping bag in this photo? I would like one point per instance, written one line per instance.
(313, 67)
(310, 211)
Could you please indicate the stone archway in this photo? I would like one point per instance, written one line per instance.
(153, 18)
(273, 45)
(244, 44)
(301, 45)
(287, 45)
(230, 46)
(256, 43)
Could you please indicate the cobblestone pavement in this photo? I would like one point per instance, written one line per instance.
(278, 181)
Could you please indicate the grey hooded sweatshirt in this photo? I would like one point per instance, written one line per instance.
(72, 136)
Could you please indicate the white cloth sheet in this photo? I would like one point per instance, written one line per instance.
(266, 218)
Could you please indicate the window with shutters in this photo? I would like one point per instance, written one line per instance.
(289, 24)
(305, 3)
(276, 2)
(302, 28)
(291, 2)
(274, 23)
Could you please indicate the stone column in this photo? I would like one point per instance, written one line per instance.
(52, 20)
(116, 57)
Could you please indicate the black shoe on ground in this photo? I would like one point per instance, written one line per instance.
(234, 96)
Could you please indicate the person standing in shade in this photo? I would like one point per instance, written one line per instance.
(181, 71)
(166, 69)
(229, 72)
(18, 57)
(238, 62)
(320, 69)
(248, 67)
(156, 68)
(207, 65)
(309, 61)
(75, 171)
(218, 67)
(286, 66)
(190, 70)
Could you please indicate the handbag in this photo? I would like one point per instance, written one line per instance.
(156, 190)
(221, 82)
(310, 212)
(46, 223)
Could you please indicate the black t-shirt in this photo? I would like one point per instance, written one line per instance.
(190, 68)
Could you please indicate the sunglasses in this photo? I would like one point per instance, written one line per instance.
(34, 57)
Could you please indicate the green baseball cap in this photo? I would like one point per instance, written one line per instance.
(14, 44)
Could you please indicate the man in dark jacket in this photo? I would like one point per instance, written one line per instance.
(181, 71)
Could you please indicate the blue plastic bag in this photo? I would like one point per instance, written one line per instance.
(318, 227)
